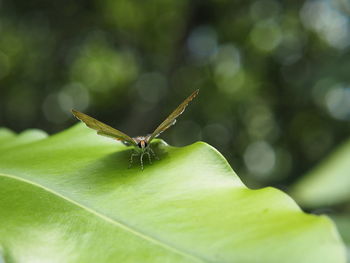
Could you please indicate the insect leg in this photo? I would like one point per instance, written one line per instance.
(131, 158)
(153, 153)
(141, 160)
(149, 157)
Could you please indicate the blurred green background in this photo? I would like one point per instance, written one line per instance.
(273, 75)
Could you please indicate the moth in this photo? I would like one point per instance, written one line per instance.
(141, 144)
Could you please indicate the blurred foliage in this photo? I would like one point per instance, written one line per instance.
(328, 183)
(273, 75)
(325, 189)
(343, 224)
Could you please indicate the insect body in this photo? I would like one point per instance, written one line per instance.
(141, 143)
(142, 149)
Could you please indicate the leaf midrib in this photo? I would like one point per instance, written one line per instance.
(110, 220)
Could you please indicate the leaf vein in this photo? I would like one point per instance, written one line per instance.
(109, 219)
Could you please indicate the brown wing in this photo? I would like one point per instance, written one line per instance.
(102, 129)
(171, 120)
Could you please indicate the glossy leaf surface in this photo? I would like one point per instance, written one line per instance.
(71, 198)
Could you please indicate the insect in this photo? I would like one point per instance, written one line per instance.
(141, 143)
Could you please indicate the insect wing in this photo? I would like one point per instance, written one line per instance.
(101, 128)
(171, 120)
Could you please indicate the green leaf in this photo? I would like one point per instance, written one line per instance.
(9, 140)
(71, 198)
(328, 183)
(343, 224)
(6, 134)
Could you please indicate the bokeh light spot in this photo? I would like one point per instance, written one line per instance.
(151, 87)
(260, 121)
(202, 43)
(227, 69)
(52, 108)
(263, 9)
(217, 133)
(78, 94)
(328, 22)
(101, 68)
(259, 158)
(338, 102)
(320, 90)
(266, 35)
